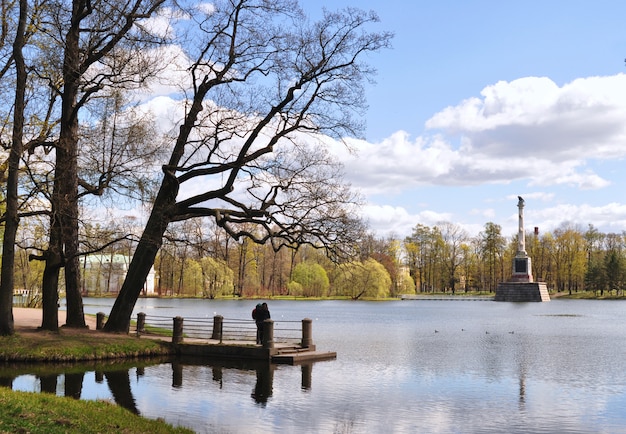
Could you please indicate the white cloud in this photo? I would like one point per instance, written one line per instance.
(395, 220)
(173, 79)
(206, 8)
(528, 129)
(610, 217)
(397, 163)
(534, 117)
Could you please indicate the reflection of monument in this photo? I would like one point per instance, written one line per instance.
(521, 286)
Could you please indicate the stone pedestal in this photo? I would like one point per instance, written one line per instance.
(522, 291)
(522, 269)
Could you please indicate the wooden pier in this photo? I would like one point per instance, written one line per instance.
(443, 297)
(232, 338)
(279, 354)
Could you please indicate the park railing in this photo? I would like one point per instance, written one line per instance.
(221, 329)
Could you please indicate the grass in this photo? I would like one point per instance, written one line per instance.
(75, 345)
(157, 331)
(591, 295)
(41, 413)
(24, 412)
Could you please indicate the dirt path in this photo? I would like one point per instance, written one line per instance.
(28, 318)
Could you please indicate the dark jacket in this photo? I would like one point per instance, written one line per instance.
(261, 314)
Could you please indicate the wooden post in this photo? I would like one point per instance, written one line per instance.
(218, 323)
(307, 377)
(177, 332)
(268, 333)
(307, 334)
(141, 323)
(99, 320)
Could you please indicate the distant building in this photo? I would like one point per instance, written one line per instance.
(105, 273)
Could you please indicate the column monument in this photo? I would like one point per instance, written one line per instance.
(521, 286)
(522, 269)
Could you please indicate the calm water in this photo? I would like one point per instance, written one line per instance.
(402, 367)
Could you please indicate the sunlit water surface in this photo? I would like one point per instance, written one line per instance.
(401, 367)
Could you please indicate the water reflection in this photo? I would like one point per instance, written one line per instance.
(264, 373)
(264, 380)
(119, 384)
(48, 383)
(74, 384)
(122, 378)
(490, 368)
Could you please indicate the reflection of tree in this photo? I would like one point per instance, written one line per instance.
(48, 383)
(7, 381)
(74, 385)
(119, 384)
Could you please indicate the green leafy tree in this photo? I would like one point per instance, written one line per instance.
(193, 279)
(403, 285)
(570, 258)
(312, 278)
(217, 276)
(614, 262)
(595, 276)
(295, 289)
(367, 279)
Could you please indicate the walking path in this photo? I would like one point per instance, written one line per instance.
(25, 318)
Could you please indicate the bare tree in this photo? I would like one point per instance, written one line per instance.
(262, 78)
(11, 218)
(101, 42)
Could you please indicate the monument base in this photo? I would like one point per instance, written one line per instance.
(522, 291)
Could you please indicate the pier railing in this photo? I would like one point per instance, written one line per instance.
(222, 329)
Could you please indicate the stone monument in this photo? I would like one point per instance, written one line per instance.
(521, 286)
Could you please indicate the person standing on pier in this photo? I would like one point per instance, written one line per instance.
(260, 313)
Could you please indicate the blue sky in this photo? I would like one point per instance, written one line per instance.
(481, 101)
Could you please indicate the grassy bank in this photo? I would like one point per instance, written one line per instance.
(590, 295)
(75, 345)
(41, 413)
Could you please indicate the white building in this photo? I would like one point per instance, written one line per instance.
(105, 273)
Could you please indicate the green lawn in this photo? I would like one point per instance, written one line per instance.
(23, 412)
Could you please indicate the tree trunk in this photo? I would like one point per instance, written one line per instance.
(143, 259)
(50, 282)
(67, 172)
(7, 326)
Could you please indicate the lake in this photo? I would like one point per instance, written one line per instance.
(402, 367)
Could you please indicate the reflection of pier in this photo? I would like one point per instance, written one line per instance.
(232, 338)
(68, 380)
(263, 388)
